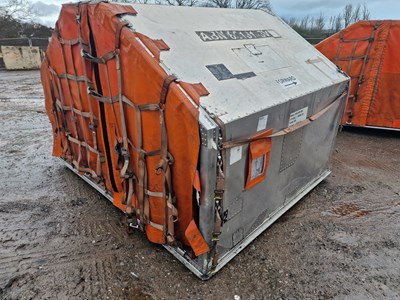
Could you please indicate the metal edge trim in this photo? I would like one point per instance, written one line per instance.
(88, 180)
(187, 264)
(372, 127)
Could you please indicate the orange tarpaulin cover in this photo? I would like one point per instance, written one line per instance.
(368, 51)
(120, 119)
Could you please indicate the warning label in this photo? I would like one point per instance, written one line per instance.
(298, 116)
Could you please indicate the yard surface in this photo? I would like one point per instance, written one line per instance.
(60, 239)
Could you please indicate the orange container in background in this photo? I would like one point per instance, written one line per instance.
(368, 51)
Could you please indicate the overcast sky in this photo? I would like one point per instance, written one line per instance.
(380, 9)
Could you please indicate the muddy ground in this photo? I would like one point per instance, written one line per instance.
(60, 239)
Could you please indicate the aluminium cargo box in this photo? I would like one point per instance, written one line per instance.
(203, 125)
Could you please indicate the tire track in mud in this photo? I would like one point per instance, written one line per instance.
(86, 245)
(49, 218)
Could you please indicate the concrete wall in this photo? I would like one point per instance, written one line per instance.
(21, 57)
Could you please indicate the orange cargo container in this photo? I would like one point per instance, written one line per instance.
(88, 96)
(368, 51)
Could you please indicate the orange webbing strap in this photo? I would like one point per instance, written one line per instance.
(118, 30)
(74, 111)
(75, 78)
(102, 61)
(142, 184)
(142, 193)
(218, 195)
(74, 118)
(77, 111)
(171, 212)
(123, 123)
(235, 143)
(102, 98)
(124, 150)
(143, 212)
(126, 173)
(72, 41)
(85, 138)
(98, 60)
(163, 167)
(93, 123)
(57, 87)
(218, 220)
(60, 128)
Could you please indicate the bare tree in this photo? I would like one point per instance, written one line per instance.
(16, 9)
(316, 27)
(304, 22)
(365, 12)
(311, 23)
(319, 23)
(245, 4)
(347, 14)
(292, 21)
(182, 2)
(137, 1)
(338, 23)
(220, 3)
(335, 23)
(356, 16)
(332, 21)
(253, 4)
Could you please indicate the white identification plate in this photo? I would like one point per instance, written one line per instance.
(287, 82)
(262, 123)
(298, 116)
(236, 155)
(257, 166)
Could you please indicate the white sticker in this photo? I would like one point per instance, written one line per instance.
(257, 167)
(298, 116)
(236, 154)
(287, 82)
(262, 123)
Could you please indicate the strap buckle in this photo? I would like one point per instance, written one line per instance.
(215, 236)
(124, 153)
(131, 223)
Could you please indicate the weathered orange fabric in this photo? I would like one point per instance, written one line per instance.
(196, 240)
(142, 79)
(368, 52)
